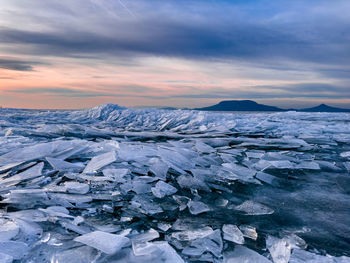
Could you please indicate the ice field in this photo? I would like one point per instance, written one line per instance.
(112, 184)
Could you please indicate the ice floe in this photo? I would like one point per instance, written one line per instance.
(111, 184)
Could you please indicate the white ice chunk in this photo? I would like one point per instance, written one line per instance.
(15, 249)
(106, 242)
(203, 147)
(280, 249)
(29, 215)
(59, 209)
(77, 188)
(302, 256)
(266, 178)
(163, 189)
(253, 208)
(211, 243)
(243, 254)
(30, 229)
(233, 234)
(144, 248)
(30, 173)
(347, 166)
(82, 254)
(116, 175)
(282, 164)
(190, 182)
(249, 232)
(197, 207)
(9, 166)
(100, 161)
(147, 236)
(71, 198)
(4, 258)
(159, 168)
(345, 154)
(61, 165)
(37, 151)
(168, 254)
(8, 230)
(188, 235)
(308, 166)
(164, 227)
(239, 170)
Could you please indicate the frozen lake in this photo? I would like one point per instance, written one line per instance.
(111, 184)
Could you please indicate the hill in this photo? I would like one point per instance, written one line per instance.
(324, 108)
(240, 105)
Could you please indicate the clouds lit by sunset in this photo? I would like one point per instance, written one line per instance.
(78, 54)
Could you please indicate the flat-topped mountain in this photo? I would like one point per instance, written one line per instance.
(249, 105)
(240, 105)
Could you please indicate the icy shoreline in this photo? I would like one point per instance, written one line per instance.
(111, 184)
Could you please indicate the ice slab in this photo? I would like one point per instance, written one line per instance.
(203, 147)
(280, 249)
(249, 231)
(30, 173)
(211, 243)
(8, 230)
(37, 151)
(100, 161)
(299, 256)
(61, 165)
(82, 254)
(116, 175)
(188, 235)
(243, 254)
(15, 249)
(163, 189)
(233, 234)
(190, 182)
(345, 154)
(4, 258)
(253, 208)
(76, 187)
(197, 207)
(106, 242)
(159, 168)
(168, 254)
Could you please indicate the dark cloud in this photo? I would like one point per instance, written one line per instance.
(18, 65)
(219, 38)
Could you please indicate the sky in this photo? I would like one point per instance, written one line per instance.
(67, 54)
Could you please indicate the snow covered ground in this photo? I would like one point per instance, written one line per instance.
(112, 184)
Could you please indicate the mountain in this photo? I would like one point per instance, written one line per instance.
(324, 108)
(240, 105)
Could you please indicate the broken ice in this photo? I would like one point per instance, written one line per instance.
(112, 184)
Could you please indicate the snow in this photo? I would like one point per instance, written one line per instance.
(97, 185)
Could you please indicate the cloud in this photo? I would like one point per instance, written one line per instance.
(197, 43)
(175, 32)
(18, 65)
(121, 91)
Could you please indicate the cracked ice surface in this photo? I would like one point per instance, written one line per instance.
(111, 184)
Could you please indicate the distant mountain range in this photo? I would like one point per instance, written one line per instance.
(249, 105)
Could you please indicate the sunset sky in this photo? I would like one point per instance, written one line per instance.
(181, 53)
